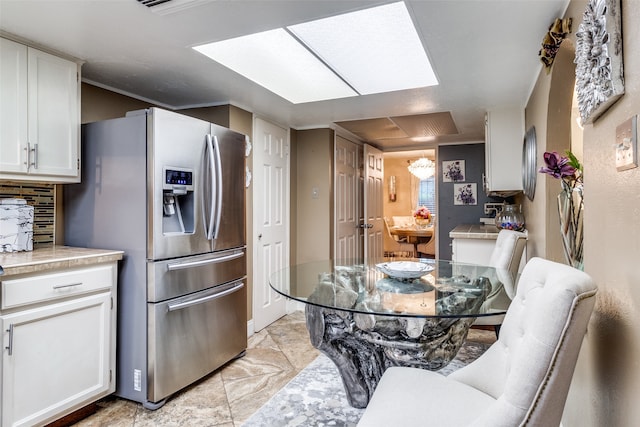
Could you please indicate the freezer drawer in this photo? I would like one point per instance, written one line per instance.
(191, 336)
(176, 277)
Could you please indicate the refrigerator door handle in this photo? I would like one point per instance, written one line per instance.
(183, 265)
(218, 178)
(207, 188)
(197, 301)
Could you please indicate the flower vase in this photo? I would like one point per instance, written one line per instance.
(571, 211)
(422, 223)
(510, 218)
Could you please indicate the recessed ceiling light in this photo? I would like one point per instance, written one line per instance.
(369, 51)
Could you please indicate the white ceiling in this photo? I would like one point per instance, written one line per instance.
(484, 52)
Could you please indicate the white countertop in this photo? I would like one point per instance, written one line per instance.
(474, 231)
(55, 257)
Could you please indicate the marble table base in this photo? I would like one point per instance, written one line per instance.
(363, 346)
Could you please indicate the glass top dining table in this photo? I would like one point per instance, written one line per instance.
(394, 312)
(414, 288)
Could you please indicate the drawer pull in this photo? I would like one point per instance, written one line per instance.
(190, 264)
(10, 346)
(67, 286)
(181, 305)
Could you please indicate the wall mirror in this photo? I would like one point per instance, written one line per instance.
(529, 163)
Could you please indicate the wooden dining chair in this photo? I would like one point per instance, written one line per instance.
(522, 379)
(429, 249)
(399, 246)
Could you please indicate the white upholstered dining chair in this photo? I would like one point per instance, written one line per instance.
(522, 379)
(505, 257)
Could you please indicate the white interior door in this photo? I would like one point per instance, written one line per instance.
(270, 218)
(373, 206)
(348, 201)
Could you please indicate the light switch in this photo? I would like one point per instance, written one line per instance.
(627, 144)
(315, 192)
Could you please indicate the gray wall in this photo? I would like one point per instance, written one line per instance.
(450, 215)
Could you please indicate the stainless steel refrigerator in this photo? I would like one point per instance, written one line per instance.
(168, 190)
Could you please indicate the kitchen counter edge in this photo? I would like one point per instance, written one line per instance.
(474, 231)
(54, 258)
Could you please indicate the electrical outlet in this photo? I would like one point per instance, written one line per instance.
(627, 144)
(137, 379)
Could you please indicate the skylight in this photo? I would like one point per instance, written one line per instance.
(359, 53)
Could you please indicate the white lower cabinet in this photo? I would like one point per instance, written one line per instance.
(477, 251)
(472, 251)
(58, 355)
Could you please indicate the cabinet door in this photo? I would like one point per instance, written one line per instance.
(55, 359)
(53, 115)
(504, 132)
(13, 107)
(473, 251)
(478, 251)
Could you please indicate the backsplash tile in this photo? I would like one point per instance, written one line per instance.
(42, 198)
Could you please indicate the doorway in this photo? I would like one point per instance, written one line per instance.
(358, 210)
(403, 193)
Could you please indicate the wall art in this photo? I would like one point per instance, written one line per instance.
(599, 69)
(465, 194)
(453, 171)
(558, 31)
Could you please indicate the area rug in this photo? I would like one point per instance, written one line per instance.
(316, 398)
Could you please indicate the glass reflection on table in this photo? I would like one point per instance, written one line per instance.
(449, 290)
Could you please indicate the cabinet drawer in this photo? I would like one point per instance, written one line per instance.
(52, 286)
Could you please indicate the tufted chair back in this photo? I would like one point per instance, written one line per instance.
(508, 251)
(505, 258)
(529, 368)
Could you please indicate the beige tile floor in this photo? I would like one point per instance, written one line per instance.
(230, 395)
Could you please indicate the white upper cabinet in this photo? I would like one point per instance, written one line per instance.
(13, 106)
(39, 115)
(504, 134)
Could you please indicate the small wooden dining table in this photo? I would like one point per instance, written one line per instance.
(413, 235)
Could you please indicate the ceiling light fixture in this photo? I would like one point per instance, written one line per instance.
(333, 57)
(422, 168)
(275, 60)
(375, 50)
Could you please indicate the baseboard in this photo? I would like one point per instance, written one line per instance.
(250, 328)
(76, 416)
(293, 306)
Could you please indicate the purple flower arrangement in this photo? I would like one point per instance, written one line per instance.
(568, 169)
(570, 203)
